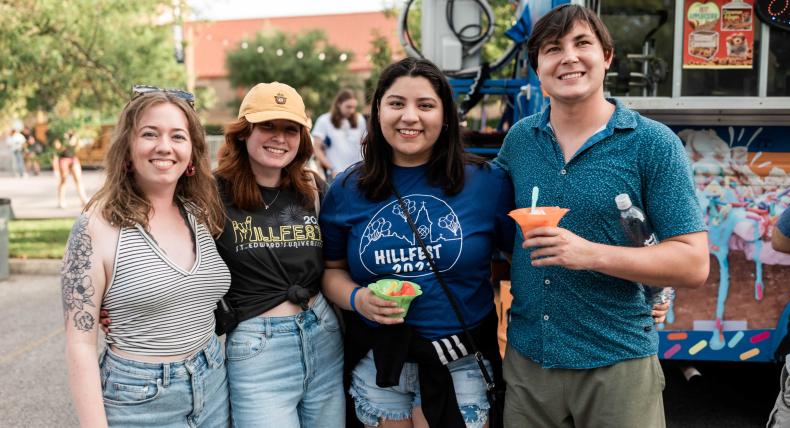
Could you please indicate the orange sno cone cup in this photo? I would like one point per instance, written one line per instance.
(527, 220)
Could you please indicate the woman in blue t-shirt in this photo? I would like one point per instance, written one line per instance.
(417, 369)
(459, 205)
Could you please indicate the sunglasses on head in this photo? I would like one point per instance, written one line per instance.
(140, 90)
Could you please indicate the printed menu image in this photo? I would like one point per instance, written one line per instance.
(719, 34)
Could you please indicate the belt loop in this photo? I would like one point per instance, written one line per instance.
(267, 327)
(166, 375)
(208, 354)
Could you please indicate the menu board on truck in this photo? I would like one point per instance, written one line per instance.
(718, 34)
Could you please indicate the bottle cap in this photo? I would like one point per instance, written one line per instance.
(623, 201)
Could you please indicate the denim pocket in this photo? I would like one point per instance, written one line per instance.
(244, 344)
(329, 320)
(122, 389)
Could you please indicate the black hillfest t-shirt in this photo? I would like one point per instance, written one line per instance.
(273, 254)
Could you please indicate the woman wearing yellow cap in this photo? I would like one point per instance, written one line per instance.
(285, 357)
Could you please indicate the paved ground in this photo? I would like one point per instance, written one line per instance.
(36, 196)
(33, 386)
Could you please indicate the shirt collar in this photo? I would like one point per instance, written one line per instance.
(623, 118)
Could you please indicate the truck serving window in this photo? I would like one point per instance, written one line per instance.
(643, 33)
(779, 63)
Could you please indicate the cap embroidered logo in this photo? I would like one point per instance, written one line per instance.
(280, 99)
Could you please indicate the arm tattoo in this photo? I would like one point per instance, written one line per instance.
(76, 284)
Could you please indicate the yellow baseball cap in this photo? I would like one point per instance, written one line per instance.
(269, 101)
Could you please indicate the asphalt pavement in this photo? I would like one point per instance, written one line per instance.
(33, 385)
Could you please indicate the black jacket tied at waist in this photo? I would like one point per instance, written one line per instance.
(394, 345)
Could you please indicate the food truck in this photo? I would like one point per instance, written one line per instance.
(717, 72)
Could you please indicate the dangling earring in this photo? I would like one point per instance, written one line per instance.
(190, 170)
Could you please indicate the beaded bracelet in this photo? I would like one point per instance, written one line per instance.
(351, 299)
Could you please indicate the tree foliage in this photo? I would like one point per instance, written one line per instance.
(307, 62)
(80, 57)
(380, 58)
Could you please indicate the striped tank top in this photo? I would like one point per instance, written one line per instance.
(157, 308)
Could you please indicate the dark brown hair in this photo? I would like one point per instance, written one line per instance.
(234, 166)
(447, 160)
(121, 201)
(335, 116)
(559, 22)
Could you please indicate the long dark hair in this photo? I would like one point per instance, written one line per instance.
(445, 166)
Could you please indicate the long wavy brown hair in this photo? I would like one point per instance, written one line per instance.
(336, 117)
(120, 199)
(234, 166)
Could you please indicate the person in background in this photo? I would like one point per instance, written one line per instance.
(69, 164)
(780, 415)
(581, 343)
(32, 150)
(143, 250)
(285, 357)
(337, 135)
(16, 142)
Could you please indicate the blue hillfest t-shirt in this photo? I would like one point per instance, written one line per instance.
(461, 232)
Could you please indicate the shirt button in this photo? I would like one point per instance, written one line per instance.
(547, 281)
(563, 171)
(545, 317)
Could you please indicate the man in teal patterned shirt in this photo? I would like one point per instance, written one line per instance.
(581, 342)
(780, 415)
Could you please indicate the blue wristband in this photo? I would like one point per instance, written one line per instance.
(351, 299)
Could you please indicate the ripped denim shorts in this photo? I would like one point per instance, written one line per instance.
(373, 402)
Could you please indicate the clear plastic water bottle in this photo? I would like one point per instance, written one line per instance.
(638, 230)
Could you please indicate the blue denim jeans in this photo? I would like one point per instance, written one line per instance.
(188, 393)
(287, 372)
(373, 402)
(19, 162)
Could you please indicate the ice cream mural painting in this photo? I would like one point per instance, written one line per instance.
(741, 175)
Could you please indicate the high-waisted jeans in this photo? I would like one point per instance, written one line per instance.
(188, 393)
(287, 372)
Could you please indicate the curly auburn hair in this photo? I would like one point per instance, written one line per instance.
(122, 202)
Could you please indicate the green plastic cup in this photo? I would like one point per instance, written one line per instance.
(384, 287)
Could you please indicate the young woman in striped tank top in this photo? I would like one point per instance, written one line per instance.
(143, 249)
